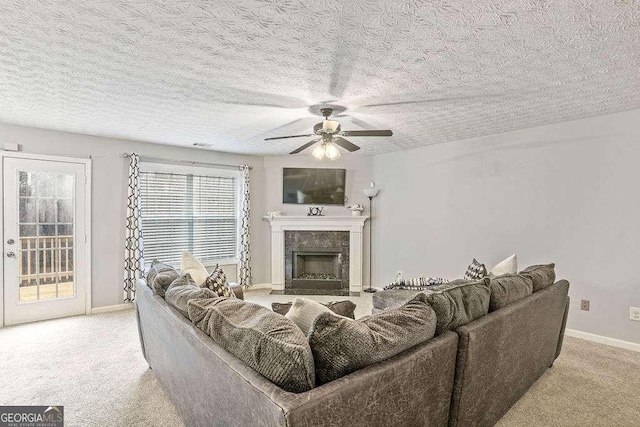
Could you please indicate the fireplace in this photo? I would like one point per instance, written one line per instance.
(317, 269)
(317, 234)
(316, 262)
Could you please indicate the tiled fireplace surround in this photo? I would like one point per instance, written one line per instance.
(337, 238)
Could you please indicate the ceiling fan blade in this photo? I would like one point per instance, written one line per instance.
(285, 137)
(366, 133)
(235, 96)
(349, 146)
(468, 98)
(304, 147)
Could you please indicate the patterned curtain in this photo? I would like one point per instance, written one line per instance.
(134, 253)
(245, 236)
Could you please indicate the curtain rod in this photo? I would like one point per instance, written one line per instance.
(185, 162)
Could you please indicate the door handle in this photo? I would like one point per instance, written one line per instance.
(11, 254)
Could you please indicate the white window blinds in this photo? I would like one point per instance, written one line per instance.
(196, 213)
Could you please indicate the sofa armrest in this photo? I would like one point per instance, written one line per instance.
(503, 353)
(237, 290)
(564, 326)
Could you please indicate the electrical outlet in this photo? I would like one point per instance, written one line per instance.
(634, 313)
(584, 305)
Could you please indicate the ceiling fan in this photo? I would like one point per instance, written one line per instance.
(329, 134)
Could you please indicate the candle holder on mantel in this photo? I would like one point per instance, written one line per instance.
(371, 192)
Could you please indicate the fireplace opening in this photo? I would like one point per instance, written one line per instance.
(317, 269)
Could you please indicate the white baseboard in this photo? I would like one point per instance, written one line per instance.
(110, 308)
(257, 286)
(603, 340)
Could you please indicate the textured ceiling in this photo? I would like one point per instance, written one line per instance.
(230, 73)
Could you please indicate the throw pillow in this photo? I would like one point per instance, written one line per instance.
(459, 302)
(507, 266)
(344, 308)
(194, 267)
(266, 341)
(341, 346)
(543, 276)
(304, 311)
(475, 271)
(509, 288)
(160, 277)
(217, 282)
(183, 290)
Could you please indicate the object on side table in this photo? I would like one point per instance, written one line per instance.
(370, 192)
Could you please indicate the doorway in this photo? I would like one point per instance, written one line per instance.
(45, 238)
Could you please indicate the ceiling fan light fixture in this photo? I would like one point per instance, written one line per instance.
(318, 152)
(331, 151)
(330, 125)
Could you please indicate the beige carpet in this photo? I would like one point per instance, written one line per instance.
(93, 366)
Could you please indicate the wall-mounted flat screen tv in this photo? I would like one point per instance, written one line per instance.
(311, 186)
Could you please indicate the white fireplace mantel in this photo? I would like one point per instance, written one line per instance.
(353, 224)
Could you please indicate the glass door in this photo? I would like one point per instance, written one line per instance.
(44, 229)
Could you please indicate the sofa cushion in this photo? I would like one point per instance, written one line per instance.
(506, 266)
(459, 302)
(304, 311)
(509, 288)
(183, 290)
(266, 341)
(476, 270)
(194, 267)
(344, 308)
(217, 282)
(392, 298)
(543, 275)
(160, 277)
(341, 346)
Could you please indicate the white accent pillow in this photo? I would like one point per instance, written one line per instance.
(507, 266)
(304, 311)
(194, 267)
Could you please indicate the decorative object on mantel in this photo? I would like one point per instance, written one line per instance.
(356, 210)
(273, 214)
(371, 192)
(315, 211)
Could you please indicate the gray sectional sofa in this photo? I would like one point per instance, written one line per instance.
(212, 387)
(467, 377)
(501, 354)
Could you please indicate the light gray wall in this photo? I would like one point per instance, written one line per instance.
(566, 193)
(358, 177)
(109, 195)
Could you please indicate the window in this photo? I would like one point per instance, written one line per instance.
(197, 212)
